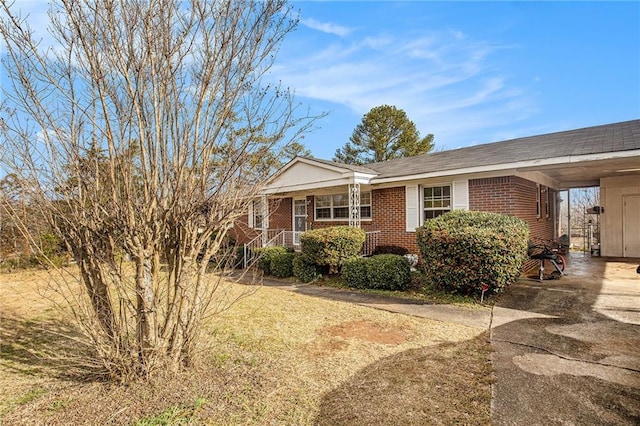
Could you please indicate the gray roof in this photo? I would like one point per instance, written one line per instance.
(624, 136)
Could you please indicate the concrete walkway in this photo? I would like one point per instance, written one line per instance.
(567, 352)
(472, 317)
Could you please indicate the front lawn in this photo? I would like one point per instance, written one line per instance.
(275, 357)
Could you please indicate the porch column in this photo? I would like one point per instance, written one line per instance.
(354, 205)
(265, 219)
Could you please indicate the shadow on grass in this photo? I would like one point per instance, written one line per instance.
(48, 346)
(449, 383)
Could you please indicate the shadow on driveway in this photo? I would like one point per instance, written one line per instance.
(568, 351)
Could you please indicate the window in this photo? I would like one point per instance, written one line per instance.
(547, 203)
(436, 201)
(336, 206)
(257, 215)
(538, 209)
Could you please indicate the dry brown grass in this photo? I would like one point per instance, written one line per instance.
(275, 357)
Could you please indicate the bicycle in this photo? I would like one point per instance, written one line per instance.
(545, 252)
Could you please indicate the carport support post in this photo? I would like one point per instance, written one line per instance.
(569, 215)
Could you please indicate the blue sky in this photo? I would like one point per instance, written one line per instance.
(468, 72)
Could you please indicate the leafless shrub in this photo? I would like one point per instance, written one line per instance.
(144, 132)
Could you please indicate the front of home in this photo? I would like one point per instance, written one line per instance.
(520, 177)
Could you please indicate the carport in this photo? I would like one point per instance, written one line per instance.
(607, 157)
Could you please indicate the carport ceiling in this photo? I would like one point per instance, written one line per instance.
(585, 174)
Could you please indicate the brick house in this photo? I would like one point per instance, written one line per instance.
(520, 177)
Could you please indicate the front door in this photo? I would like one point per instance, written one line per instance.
(631, 226)
(299, 219)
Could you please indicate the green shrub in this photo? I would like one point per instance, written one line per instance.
(332, 246)
(388, 272)
(354, 272)
(304, 271)
(282, 265)
(384, 272)
(263, 256)
(401, 251)
(462, 251)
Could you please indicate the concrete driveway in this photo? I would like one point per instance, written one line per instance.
(568, 351)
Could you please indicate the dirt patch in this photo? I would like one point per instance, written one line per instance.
(367, 331)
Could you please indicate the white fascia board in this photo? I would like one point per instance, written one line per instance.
(307, 186)
(570, 159)
(345, 179)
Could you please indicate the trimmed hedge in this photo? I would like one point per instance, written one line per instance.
(401, 251)
(282, 265)
(264, 255)
(385, 272)
(354, 272)
(462, 251)
(303, 271)
(388, 272)
(331, 246)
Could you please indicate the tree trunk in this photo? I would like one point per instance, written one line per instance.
(147, 336)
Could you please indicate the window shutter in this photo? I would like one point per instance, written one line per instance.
(411, 207)
(461, 195)
(251, 217)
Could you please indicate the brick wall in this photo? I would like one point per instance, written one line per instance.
(516, 196)
(388, 214)
(510, 195)
(281, 214)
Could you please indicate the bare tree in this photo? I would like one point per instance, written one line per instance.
(141, 131)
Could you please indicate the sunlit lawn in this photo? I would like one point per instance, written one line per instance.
(274, 357)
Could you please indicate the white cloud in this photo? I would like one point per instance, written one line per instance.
(326, 27)
(445, 81)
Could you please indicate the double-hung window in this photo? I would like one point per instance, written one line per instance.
(336, 206)
(257, 215)
(436, 201)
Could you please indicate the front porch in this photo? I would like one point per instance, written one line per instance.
(291, 239)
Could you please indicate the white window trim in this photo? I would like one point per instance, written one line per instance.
(414, 201)
(538, 205)
(547, 204)
(255, 209)
(345, 219)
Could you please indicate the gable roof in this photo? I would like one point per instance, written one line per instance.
(608, 138)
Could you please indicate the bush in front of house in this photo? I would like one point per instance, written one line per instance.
(388, 272)
(264, 255)
(304, 271)
(464, 251)
(282, 265)
(383, 272)
(332, 246)
(390, 249)
(354, 272)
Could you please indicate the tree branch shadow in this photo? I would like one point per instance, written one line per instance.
(46, 347)
(448, 383)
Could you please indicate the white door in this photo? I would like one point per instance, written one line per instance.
(631, 225)
(299, 219)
